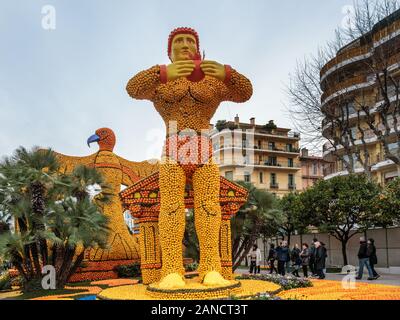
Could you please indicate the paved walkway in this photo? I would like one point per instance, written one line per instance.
(388, 279)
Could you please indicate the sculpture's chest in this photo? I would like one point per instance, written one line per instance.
(202, 92)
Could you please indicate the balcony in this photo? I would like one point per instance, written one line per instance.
(274, 185)
(284, 165)
(263, 133)
(346, 86)
(291, 186)
(291, 151)
(344, 58)
(386, 34)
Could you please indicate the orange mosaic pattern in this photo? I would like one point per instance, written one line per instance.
(189, 105)
(116, 171)
(115, 282)
(333, 290)
(143, 201)
(195, 291)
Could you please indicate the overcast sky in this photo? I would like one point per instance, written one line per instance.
(58, 86)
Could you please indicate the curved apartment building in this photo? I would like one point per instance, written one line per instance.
(350, 81)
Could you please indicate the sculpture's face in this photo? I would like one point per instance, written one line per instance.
(183, 47)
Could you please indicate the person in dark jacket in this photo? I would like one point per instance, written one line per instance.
(312, 257)
(373, 259)
(296, 260)
(271, 259)
(363, 260)
(305, 259)
(283, 256)
(320, 257)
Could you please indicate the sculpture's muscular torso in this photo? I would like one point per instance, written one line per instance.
(189, 105)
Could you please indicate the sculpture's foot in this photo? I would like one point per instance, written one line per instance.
(214, 278)
(172, 281)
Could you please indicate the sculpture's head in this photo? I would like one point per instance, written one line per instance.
(183, 44)
(105, 137)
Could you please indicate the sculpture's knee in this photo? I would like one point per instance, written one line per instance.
(210, 207)
(172, 209)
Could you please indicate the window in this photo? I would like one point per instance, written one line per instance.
(290, 163)
(229, 175)
(315, 169)
(261, 177)
(346, 159)
(273, 178)
(247, 177)
(353, 132)
(259, 144)
(289, 147)
(271, 145)
(291, 181)
(350, 107)
(272, 161)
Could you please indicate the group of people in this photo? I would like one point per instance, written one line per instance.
(308, 258)
(311, 259)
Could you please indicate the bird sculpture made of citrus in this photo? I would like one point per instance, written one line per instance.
(187, 93)
(116, 171)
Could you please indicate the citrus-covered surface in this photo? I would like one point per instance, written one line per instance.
(333, 290)
(139, 292)
(131, 289)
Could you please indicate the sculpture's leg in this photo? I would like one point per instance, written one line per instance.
(172, 224)
(207, 222)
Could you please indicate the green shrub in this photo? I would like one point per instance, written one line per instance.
(5, 281)
(191, 267)
(129, 270)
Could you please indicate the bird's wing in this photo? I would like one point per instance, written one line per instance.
(69, 163)
(135, 171)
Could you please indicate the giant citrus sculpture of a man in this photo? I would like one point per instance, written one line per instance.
(186, 93)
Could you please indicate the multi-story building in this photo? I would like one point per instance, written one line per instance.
(312, 168)
(350, 82)
(267, 157)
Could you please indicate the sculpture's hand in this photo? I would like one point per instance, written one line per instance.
(213, 69)
(180, 69)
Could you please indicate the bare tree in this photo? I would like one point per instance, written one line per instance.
(305, 94)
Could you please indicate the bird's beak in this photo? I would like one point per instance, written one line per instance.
(93, 138)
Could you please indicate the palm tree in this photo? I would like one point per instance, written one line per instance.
(55, 220)
(251, 220)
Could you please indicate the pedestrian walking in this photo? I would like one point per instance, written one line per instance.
(363, 260)
(296, 260)
(255, 259)
(320, 257)
(272, 255)
(283, 256)
(305, 259)
(373, 259)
